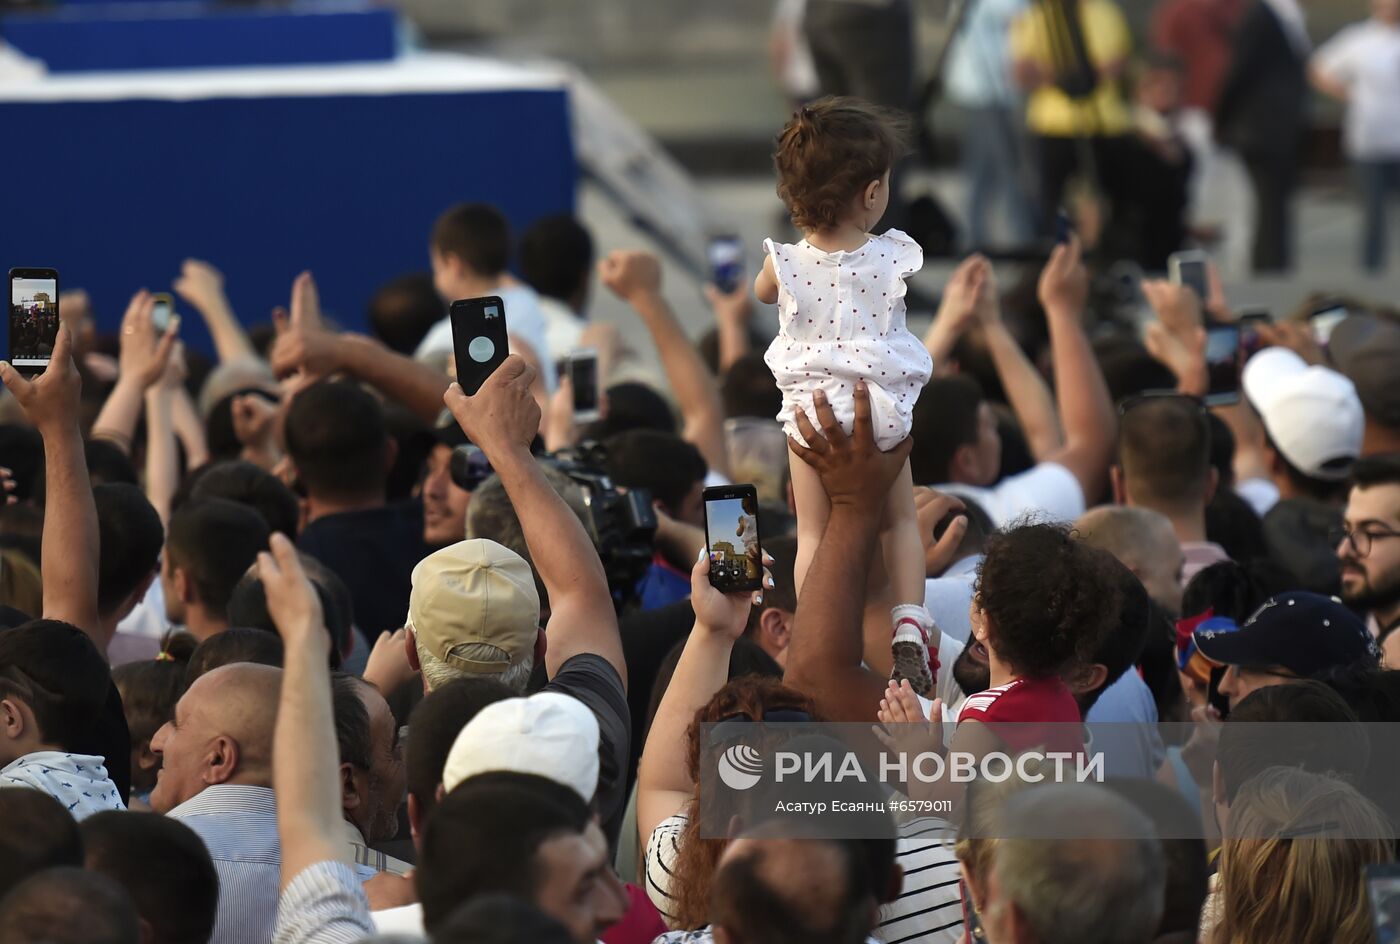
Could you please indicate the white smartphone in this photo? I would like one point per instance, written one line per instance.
(1189, 268)
(583, 375)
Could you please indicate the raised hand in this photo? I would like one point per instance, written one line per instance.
(630, 273)
(145, 354)
(1063, 289)
(726, 613)
(852, 468)
(504, 413)
(304, 343)
(50, 401)
(200, 284)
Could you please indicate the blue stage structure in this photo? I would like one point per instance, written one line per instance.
(115, 178)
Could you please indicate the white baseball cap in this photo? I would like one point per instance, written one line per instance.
(1312, 414)
(550, 735)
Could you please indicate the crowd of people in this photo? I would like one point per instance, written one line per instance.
(306, 644)
(1197, 129)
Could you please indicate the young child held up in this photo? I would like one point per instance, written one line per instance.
(841, 314)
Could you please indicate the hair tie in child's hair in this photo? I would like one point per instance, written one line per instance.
(164, 656)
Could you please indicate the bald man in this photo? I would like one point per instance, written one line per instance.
(1143, 540)
(216, 777)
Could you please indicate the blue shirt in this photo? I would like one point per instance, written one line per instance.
(979, 63)
(1124, 725)
(239, 827)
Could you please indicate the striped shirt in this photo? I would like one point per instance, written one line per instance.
(928, 909)
(239, 826)
(324, 904)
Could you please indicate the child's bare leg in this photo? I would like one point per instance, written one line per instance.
(813, 509)
(914, 632)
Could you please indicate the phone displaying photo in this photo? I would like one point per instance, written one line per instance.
(583, 377)
(1223, 364)
(726, 258)
(162, 310)
(731, 535)
(1251, 319)
(33, 319)
(1324, 320)
(1189, 269)
(479, 339)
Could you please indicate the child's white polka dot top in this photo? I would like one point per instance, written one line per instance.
(841, 318)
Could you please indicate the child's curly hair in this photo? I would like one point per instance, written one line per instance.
(1051, 599)
(829, 152)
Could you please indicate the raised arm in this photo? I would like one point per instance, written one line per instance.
(825, 655)
(733, 315)
(957, 310)
(70, 516)
(162, 457)
(304, 343)
(141, 362)
(664, 786)
(502, 420)
(305, 760)
(1086, 411)
(202, 286)
(1027, 392)
(635, 277)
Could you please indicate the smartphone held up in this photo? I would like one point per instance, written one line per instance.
(583, 377)
(33, 326)
(731, 538)
(479, 339)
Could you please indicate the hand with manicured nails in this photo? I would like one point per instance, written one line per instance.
(726, 613)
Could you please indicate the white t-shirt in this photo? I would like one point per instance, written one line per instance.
(1047, 490)
(1365, 57)
(524, 320)
(406, 920)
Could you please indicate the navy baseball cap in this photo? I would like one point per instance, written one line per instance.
(1305, 633)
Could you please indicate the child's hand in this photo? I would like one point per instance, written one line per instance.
(911, 733)
(631, 273)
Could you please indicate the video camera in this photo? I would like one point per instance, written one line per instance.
(624, 522)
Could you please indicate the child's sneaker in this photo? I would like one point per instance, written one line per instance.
(912, 626)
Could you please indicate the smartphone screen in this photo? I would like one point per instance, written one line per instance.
(1223, 364)
(162, 310)
(1325, 320)
(731, 534)
(726, 257)
(1064, 227)
(1383, 891)
(583, 376)
(1189, 269)
(1250, 340)
(479, 339)
(33, 319)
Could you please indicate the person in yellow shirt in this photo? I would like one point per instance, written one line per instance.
(1070, 56)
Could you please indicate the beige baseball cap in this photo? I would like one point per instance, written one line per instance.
(475, 592)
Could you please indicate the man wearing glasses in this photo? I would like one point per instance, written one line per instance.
(1369, 548)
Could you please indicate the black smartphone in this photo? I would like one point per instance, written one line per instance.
(1223, 363)
(583, 377)
(162, 310)
(1189, 268)
(1250, 321)
(1064, 226)
(33, 319)
(479, 339)
(1383, 891)
(726, 258)
(1324, 319)
(731, 535)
